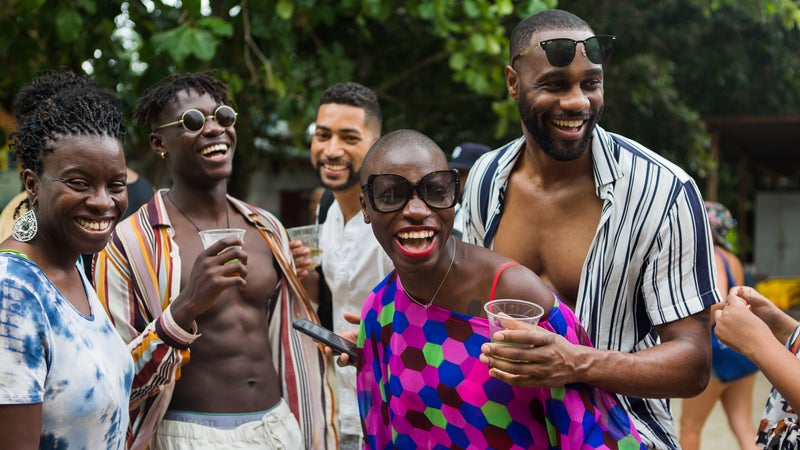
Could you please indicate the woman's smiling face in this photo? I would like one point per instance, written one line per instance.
(82, 193)
(413, 236)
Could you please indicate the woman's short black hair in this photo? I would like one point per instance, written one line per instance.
(57, 104)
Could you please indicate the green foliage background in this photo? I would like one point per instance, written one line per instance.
(435, 64)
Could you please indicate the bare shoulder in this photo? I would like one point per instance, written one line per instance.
(513, 280)
(482, 259)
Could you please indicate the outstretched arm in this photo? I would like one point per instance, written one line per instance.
(752, 325)
(678, 367)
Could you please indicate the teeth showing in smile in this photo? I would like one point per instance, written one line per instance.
(214, 148)
(568, 123)
(416, 234)
(94, 225)
(330, 166)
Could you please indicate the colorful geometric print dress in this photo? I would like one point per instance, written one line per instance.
(421, 385)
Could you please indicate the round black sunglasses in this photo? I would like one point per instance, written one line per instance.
(193, 120)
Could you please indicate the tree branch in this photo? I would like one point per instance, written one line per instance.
(251, 44)
(436, 57)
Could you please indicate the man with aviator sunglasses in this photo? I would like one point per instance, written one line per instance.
(618, 232)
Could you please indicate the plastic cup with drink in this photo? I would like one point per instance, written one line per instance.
(503, 312)
(209, 237)
(309, 235)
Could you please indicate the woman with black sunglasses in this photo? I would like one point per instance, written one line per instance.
(422, 379)
(65, 375)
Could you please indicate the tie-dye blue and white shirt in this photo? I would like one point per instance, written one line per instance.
(75, 365)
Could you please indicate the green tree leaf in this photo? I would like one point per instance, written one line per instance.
(68, 25)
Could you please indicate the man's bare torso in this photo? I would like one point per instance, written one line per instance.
(231, 369)
(550, 229)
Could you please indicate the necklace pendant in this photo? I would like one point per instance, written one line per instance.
(428, 305)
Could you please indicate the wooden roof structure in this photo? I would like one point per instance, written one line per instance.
(769, 143)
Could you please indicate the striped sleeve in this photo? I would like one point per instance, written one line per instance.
(679, 280)
(483, 193)
(158, 349)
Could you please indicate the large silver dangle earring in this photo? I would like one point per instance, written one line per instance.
(25, 227)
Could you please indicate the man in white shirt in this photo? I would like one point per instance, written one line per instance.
(348, 122)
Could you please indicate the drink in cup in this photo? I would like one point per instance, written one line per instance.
(504, 311)
(309, 235)
(209, 237)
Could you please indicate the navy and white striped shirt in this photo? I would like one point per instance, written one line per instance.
(651, 261)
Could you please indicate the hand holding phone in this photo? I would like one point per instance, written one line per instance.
(327, 337)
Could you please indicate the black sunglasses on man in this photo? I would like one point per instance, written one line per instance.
(561, 51)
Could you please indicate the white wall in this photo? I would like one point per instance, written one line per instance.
(777, 234)
(266, 187)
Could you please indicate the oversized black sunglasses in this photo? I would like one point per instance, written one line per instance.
(388, 192)
(193, 120)
(561, 51)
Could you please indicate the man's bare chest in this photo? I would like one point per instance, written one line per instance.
(550, 236)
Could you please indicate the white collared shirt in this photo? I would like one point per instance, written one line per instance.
(353, 263)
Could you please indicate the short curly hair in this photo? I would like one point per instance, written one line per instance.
(547, 20)
(157, 97)
(60, 103)
(355, 94)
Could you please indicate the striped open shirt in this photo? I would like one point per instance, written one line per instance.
(650, 262)
(138, 275)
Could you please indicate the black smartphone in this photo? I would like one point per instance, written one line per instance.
(326, 336)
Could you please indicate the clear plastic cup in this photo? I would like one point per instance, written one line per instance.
(309, 235)
(209, 237)
(503, 311)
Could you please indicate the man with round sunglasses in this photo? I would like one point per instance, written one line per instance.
(618, 232)
(193, 120)
(348, 122)
(218, 363)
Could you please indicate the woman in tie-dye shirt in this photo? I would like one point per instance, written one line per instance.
(422, 379)
(65, 374)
